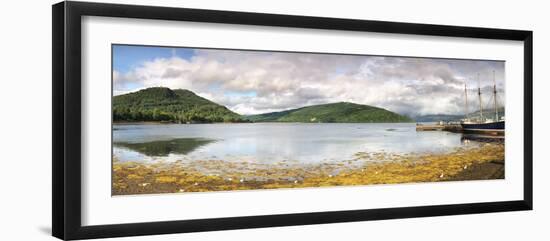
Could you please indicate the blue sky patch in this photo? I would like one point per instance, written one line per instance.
(128, 57)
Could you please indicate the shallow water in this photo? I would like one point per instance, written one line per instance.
(274, 142)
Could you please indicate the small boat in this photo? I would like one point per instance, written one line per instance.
(482, 124)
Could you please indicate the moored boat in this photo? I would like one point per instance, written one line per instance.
(491, 127)
(480, 124)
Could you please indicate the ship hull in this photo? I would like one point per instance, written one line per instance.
(490, 128)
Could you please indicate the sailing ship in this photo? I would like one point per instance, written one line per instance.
(483, 124)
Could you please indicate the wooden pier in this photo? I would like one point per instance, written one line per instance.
(454, 127)
(451, 127)
(420, 127)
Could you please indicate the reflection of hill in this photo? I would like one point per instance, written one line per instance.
(163, 148)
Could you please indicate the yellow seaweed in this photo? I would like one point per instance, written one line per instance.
(381, 168)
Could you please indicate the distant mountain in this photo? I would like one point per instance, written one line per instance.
(342, 112)
(164, 104)
(438, 117)
(487, 113)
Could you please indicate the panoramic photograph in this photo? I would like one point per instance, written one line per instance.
(188, 120)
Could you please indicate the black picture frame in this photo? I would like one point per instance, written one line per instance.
(66, 127)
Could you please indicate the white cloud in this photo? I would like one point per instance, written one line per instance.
(251, 82)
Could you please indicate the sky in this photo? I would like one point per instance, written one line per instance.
(254, 82)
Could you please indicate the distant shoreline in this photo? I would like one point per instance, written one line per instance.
(139, 123)
(170, 123)
(260, 122)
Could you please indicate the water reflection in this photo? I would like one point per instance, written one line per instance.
(180, 146)
(274, 142)
(466, 138)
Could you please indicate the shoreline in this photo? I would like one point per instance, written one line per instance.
(481, 171)
(251, 122)
(485, 162)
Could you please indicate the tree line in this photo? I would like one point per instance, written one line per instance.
(202, 114)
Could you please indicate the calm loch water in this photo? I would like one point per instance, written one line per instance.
(273, 142)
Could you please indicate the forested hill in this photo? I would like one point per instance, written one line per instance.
(184, 106)
(342, 112)
(164, 104)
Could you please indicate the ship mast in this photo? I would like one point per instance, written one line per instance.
(495, 96)
(480, 102)
(465, 100)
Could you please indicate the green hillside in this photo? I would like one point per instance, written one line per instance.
(164, 104)
(342, 112)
